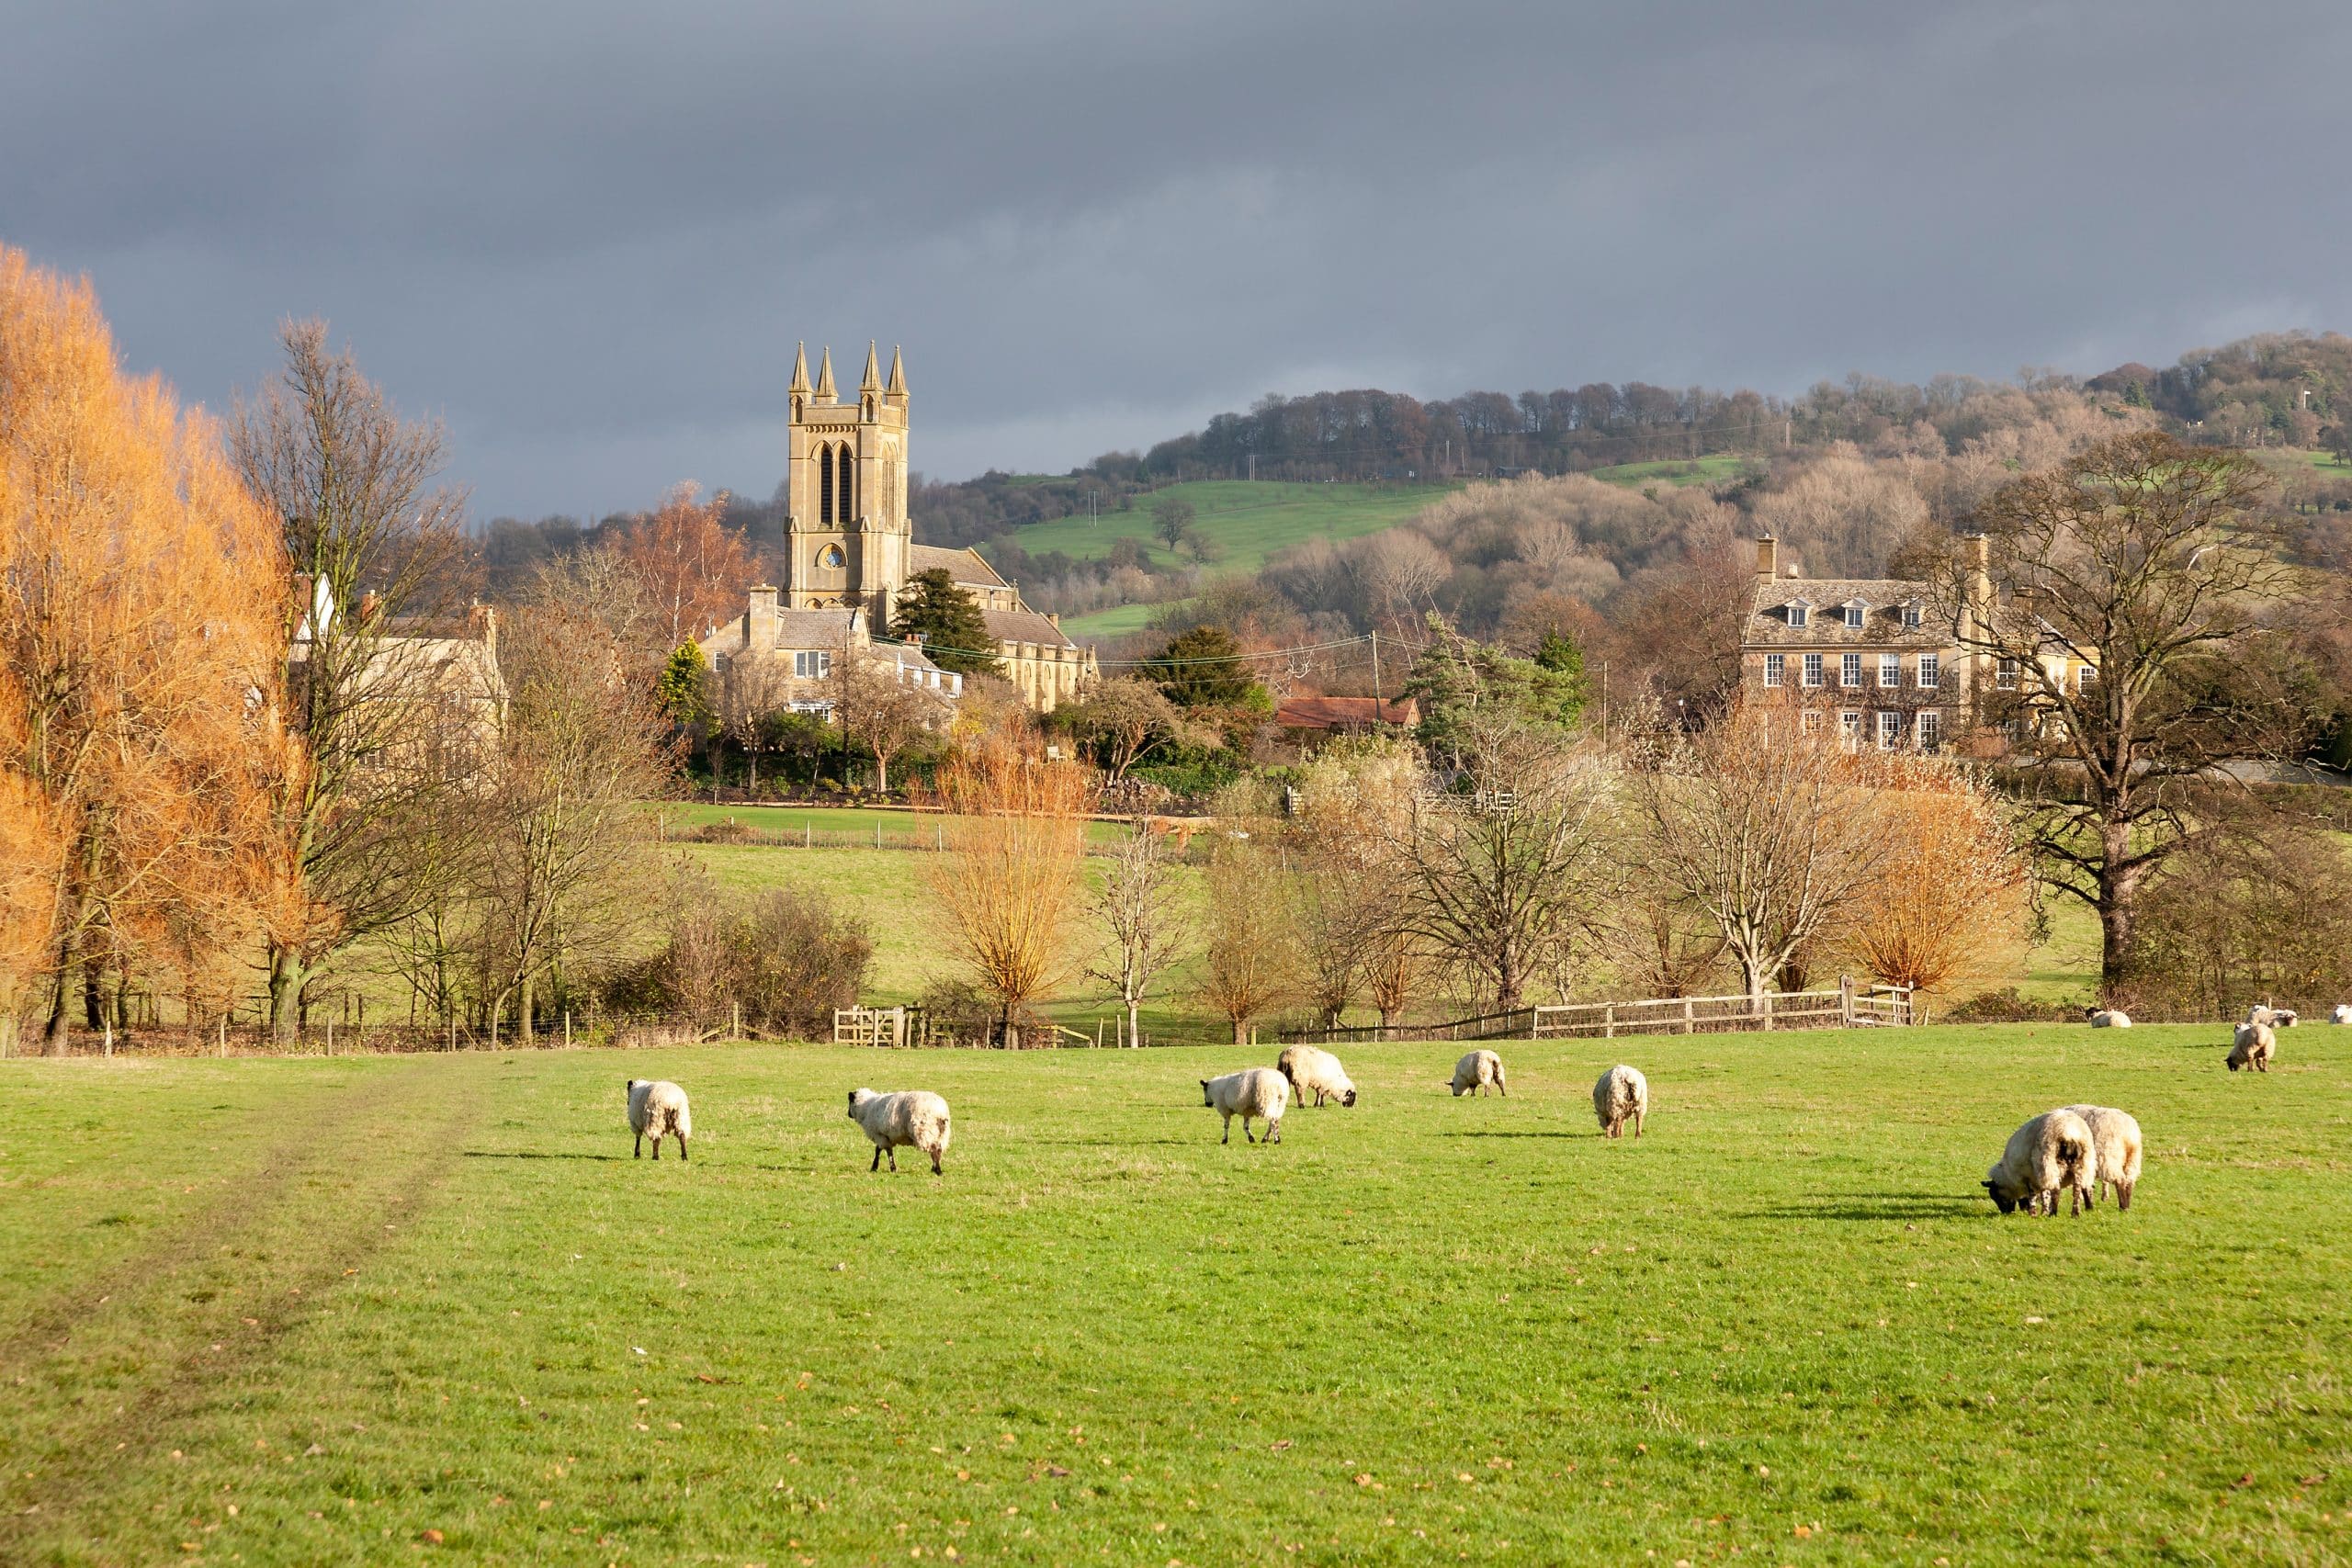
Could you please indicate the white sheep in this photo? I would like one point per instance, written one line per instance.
(657, 1109)
(1313, 1070)
(2252, 1045)
(1478, 1070)
(2277, 1018)
(2052, 1151)
(915, 1119)
(2343, 1013)
(2108, 1018)
(2115, 1149)
(1622, 1095)
(1262, 1092)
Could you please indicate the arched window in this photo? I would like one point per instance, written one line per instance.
(824, 484)
(847, 485)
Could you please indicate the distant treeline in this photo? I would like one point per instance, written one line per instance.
(2275, 388)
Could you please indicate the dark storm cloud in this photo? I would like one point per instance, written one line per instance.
(589, 234)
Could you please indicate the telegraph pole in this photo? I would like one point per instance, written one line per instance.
(1375, 673)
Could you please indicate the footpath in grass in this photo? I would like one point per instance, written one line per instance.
(359, 1311)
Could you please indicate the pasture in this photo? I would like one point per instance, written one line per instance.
(362, 1310)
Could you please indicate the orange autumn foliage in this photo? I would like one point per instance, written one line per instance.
(141, 590)
(694, 567)
(1948, 901)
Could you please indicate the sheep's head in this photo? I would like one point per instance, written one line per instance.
(2004, 1198)
(855, 1095)
(1348, 1098)
(1455, 1085)
(1205, 1093)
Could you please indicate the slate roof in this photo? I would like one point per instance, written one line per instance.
(963, 565)
(1024, 625)
(1768, 613)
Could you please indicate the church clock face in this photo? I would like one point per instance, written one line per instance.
(830, 558)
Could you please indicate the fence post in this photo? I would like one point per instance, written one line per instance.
(1689, 1017)
(1764, 1010)
(1845, 1001)
(1609, 1021)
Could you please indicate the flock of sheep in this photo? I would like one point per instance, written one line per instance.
(2081, 1150)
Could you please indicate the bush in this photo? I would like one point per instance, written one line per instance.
(2004, 1006)
(782, 961)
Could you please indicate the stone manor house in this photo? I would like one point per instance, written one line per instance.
(1870, 656)
(850, 552)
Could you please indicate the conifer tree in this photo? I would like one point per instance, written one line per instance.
(955, 634)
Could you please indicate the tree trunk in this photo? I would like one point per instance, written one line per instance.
(53, 1035)
(2118, 911)
(1135, 1030)
(285, 978)
(881, 773)
(522, 1012)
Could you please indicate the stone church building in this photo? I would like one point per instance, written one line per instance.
(850, 550)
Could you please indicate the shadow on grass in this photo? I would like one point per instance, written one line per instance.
(1476, 1133)
(1876, 1206)
(535, 1154)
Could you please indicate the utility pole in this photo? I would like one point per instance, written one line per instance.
(1375, 673)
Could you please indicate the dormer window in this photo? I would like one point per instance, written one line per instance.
(1911, 613)
(1855, 611)
(1799, 611)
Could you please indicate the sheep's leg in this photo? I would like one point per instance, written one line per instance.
(682, 1146)
(657, 1147)
(934, 1164)
(1246, 1135)
(2122, 1197)
(894, 1159)
(1228, 1129)
(1640, 1117)
(640, 1148)
(1274, 1131)
(877, 1160)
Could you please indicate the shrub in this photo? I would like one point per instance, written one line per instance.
(782, 962)
(2004, 1006)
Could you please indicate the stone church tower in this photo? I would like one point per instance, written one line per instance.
(846, 535)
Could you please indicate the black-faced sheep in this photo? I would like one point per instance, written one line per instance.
(1314, 1071)
(913, 1120)
(2115, 1149)
(1621, 1095)
(2252, 1045)
(1479, 1070)
(2054, 1150)
(1260, 1092)
(657, 1109)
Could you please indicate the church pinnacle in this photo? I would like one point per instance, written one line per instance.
(825, 391)
(871, 380)
(799, 370)
(897, 387)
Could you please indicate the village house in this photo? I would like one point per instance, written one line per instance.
(772, 658)
(849, 545)
(1873, 656)
(433, 682)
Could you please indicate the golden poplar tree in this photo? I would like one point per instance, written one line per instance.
(139, 650)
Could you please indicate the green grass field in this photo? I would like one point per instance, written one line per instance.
(1249, 520)
(391, 1310)
(1719, 468)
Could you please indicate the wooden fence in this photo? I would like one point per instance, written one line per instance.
(1848, 1007)
(898, 1027)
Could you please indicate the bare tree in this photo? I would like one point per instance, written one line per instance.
(1137, 904)
(2131, 658)
(1249, 960)
(881, 711)
(1503, 874)
(568, 878)
(1009, 881)
(373, 542)
(1772, 829)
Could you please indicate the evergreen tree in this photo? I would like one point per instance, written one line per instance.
(1189, 672)
(1456, 678)
(682, 690)
(955, 634)
(1562, 697)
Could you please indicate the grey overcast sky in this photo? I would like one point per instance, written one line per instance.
(587, 234)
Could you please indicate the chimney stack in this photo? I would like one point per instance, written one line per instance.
(759, 626)
(1768, 550)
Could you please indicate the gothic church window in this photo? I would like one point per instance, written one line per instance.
(847, 487)
(824, 484)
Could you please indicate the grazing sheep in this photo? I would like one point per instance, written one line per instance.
(913, 1120)
(1316, 1071)
(2115, 1149)
(2277, 1018)
(2108, 1018)
(1478, 1070)
(1622, 1095)
(2343, 1013)
(657, 1109)
(1262, 1092)
(2252, 1045)
(2052, 1151)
